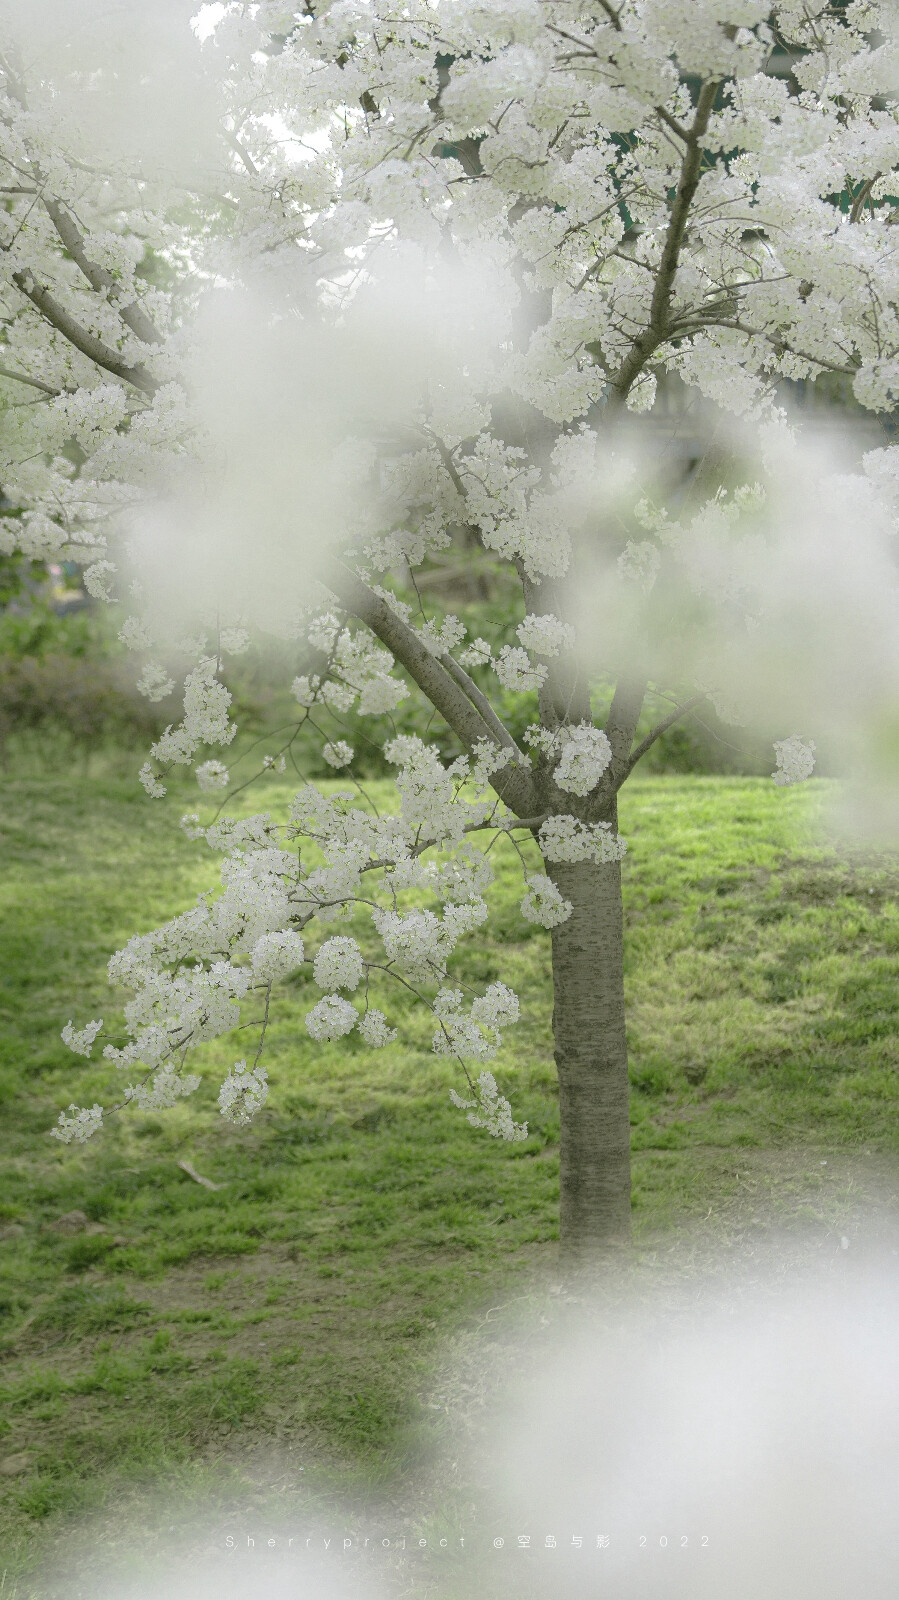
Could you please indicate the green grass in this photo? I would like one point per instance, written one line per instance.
(299, 1305)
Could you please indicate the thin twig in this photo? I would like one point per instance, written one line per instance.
(660, 728)
(198, 1177)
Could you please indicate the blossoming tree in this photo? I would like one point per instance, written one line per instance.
(692, 191)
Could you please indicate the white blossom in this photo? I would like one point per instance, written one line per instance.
(212, 775)
(134, 634)
(795, 760)
(275, 955)
(515, 669)
(234, 641)
(96, 579)
(79, 1125)
(431, 808)
(413, 940)
(332, 1018)
(206, 703)
(306, 689)
(489, 1110)
(543, 902)
(154, 682)
(167, 1088)
(545, 635)
(541, 738)
(338, 754)
(585, 755)
(150, 780)
(568, 839)
(497, 1007)
(476, 654)
(81, 1041)
(374, 1030)
(439, 638)
(639, 563)
(243, 1093)
(381, 693)
(338, 964)
(487, 758)
(477, 1032)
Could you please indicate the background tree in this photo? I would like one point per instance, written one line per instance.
(481, 238)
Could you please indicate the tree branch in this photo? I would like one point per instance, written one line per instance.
(479, 701)
(660, 728)
(246, 158)
(858, 204)
(54, 312)
(778, 345)
(35, 383)
(513, 784)
(657, 328)
(624, 713)
(100, 280)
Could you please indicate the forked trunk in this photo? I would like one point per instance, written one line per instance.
(591, 1057)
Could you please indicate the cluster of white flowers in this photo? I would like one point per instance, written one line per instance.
(541, 738)
(476, 1032)
(432, 809)
(567, 839)
(338, 964)
(154, 682)
(359, 672)
(486, 759)
(374, 1030)
(79, 1125)
(585, 755)
(795, 760)
(489, 1110)
(81, 1040)
(476, 654)
(543, 902)
(134, 634)
(420, 943)
(438, 639)
(205, 721)
(167, 1088)
(243, 1093)
(206, 705)
(212, 775)
(150, 782)
(332, 1018)
(545, 635)
(234, 641)
(96, 579)
(515, 669)
(338, 753)
(275, 955)
(639, 563)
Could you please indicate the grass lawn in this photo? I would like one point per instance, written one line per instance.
(292, 1315)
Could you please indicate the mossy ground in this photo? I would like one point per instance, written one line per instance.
(294, 1313)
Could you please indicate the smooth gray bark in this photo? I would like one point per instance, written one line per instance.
(591, 1058)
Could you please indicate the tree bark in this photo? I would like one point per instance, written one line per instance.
(591, 1058)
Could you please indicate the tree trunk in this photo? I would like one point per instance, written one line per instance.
(591, 1057)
